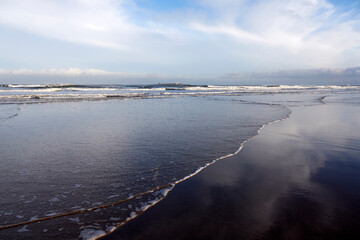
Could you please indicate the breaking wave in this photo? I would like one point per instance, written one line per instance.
(42, 93)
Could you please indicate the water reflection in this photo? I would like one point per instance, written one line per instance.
(298, 184)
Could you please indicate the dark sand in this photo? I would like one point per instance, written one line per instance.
(299, 179)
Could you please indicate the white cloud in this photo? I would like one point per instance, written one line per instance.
(232, 31)
(94, 22)
(275, 23)
(60, 72)
(209, 37)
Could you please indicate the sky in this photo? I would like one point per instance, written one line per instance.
(194, 40)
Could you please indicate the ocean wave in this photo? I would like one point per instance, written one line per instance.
(12, 93)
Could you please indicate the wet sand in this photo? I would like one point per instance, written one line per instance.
(299, 179)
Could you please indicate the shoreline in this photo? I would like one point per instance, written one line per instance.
(168, 188)
(164, 212)
(173, 185)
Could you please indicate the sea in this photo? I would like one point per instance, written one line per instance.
(79, 161)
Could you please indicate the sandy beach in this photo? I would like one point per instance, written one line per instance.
(298, 179)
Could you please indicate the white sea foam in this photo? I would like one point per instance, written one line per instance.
(51, 93)
(91, 232)
(92, 89)
(55, 199)
(132, 214)
(30, 90)
(110, 228)
(26, 86)
(51, 213)
(23, 229)
(75, 219)
(113, 196)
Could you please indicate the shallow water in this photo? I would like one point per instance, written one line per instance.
(63, 157)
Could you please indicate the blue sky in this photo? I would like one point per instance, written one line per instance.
(164, 5)
(177, 38)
